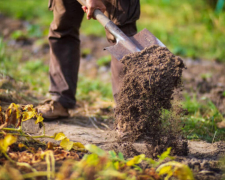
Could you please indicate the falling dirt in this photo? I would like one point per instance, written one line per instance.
(151, 76)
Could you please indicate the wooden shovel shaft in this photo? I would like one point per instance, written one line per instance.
(113, 29)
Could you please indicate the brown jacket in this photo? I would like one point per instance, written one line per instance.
(122, 12)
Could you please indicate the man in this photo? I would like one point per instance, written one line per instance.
(65, 48)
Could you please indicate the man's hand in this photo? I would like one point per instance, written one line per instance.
(91, 6)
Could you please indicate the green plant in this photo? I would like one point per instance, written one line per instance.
(33, 72)
(201, 122)
(91, 89)
(206, 76)
(104, 61)
(110, 165)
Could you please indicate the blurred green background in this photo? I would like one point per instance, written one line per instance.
(188, 28)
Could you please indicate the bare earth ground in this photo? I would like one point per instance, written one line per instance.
(202, 157)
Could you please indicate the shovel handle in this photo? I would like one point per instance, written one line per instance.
(113, 29)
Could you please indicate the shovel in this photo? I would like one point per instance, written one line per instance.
(125, 45)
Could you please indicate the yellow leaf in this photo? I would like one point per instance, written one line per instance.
(179, 170)
(21, 145)
(136, 160)
(116, 165)
(11, 117)
(6, 142)
(50, 145)
(28, 107)
(39, 118)
(16, 107)
(78, 146)
(166, 170)
(13, 105)
(28, 115)
(66, 144)
(60, 136)
(183, 173)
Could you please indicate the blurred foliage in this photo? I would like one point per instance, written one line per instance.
(110, 165)
(33, 72)
(201, 122)
(104, 61)
(188, 28)
(90, 89)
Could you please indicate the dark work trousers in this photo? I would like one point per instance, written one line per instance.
(65, 51)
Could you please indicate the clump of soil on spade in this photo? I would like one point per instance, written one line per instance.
(150, 79)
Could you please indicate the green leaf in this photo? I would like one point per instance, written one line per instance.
(94, 149)
(121, 157)
(113, 155)
(60, 136)
(151, 162)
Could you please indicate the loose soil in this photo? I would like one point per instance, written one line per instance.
(151, 77)
(201, 77)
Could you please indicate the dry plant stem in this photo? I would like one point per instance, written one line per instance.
(43, 128)
(35, 174)
(24, 135)
(103, 124)
(50, 160)
(92, 122)
(13, 129)
(3, 126)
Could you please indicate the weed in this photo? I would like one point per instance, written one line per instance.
(201, 123)
(91, 89)
(33, 72)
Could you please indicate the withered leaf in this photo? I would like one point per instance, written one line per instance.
(11, 117)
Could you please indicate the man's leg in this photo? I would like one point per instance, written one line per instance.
(64, 53)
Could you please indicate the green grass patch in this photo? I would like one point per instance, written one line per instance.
(104, 61)
(201, 122)
(33, 72)
(188, 28)
(91, 89)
